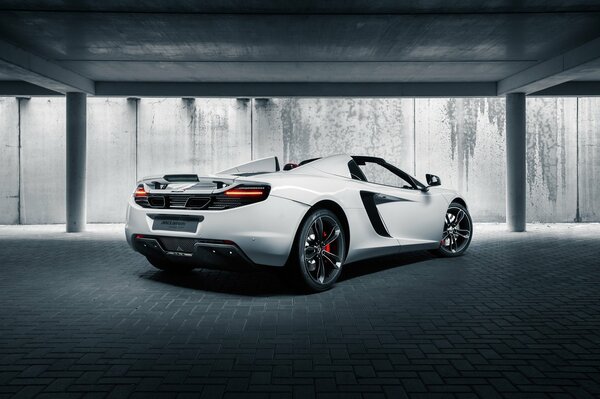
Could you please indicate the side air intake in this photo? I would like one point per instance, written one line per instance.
(368, 199)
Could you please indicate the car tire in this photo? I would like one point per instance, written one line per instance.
(319, 251)
(457, 232)
(169, 266)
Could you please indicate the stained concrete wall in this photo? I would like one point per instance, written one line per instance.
(551, 159)
(462, 140)
(589, 159)
(111, 158)
(127, 139)
(298, 129)
(9, 160)
(192, 135)
(42, 160)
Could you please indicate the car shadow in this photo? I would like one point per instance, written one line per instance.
(376, 265)
(257, 283)
(264, 282)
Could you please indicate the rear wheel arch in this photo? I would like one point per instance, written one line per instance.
(339, 212)
(296, 270)
(333, 207)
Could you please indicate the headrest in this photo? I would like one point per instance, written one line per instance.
(290, 166)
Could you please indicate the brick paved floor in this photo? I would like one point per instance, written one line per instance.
(519, 316)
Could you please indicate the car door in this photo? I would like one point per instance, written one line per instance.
(411, 215)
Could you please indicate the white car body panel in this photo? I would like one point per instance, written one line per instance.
(265, 230)
(266, 237)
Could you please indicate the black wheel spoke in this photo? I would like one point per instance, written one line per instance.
(323, 251)
(333, 235)
(333, 259)
(463, 233)
(457, 230)
(312, 235)
(310, 252)
(459, 217)
(319, 229)
(321, 271)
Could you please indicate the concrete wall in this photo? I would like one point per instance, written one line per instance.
(551, 159)
(127, 139)
(111, 167)
(9, 160)
(192, 135)
(589, 159)
(42, 160)
(461, 140)
(111, 157)
(298, 129)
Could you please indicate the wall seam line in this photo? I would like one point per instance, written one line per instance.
(19, 172)
(415, 137)
(251, 129)
(577, 212)
(137, 104)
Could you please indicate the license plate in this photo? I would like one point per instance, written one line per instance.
(174, 223)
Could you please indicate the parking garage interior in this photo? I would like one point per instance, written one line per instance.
(499, 99)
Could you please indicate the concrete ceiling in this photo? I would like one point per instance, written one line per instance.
(305, 6)
(266, 42)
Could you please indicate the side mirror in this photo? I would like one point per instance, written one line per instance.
(433, 180)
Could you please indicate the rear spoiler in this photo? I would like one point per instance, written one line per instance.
(180, 178)
(198, 183)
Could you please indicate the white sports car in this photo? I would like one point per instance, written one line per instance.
(311, 218)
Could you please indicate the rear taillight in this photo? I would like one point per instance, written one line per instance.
(140, 195)
(140, 192)
(257, 193)
(245, 192)
(239, 196)
(231, 198)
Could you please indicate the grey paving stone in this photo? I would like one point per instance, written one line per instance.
(519, 316)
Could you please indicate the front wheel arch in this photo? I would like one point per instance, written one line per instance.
(460, 201)
(443, 252)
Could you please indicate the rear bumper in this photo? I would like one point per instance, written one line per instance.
(197, 252)
(262, 233)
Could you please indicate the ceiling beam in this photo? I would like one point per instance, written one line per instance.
(571, 89)
(10, 88)
(573, 64)
(22, 65)
(181, 89)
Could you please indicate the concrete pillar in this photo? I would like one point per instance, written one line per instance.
(516, 183)
(76, 161)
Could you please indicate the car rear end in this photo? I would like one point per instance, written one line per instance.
(212, 222)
